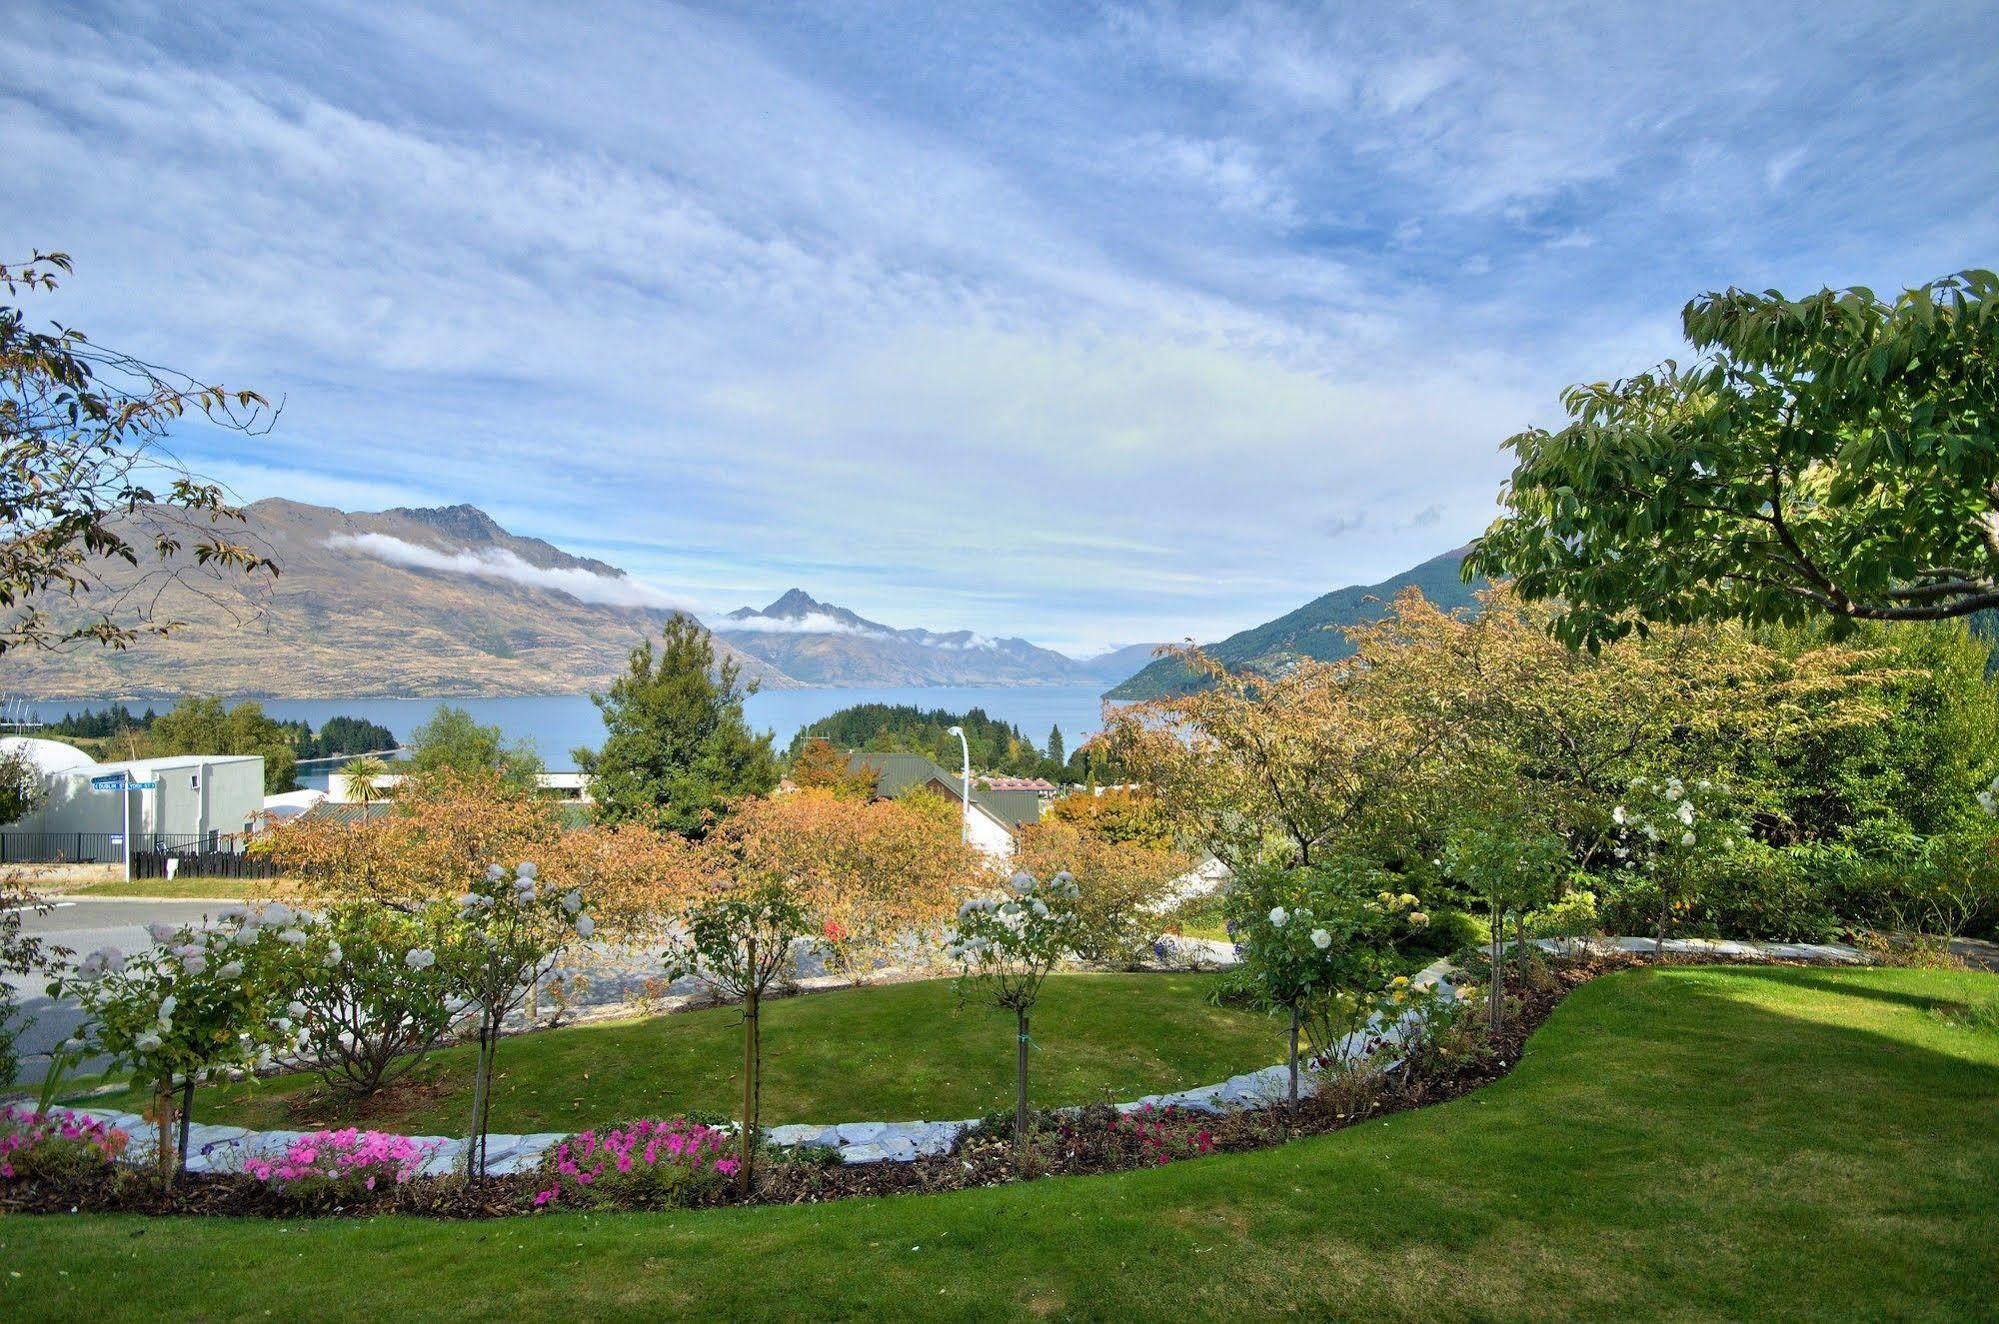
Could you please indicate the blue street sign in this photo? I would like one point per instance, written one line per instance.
(113, 781)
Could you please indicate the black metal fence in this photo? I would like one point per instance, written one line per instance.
(109, 848)
(203, 864)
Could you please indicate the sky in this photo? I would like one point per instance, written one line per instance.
(1091, 324)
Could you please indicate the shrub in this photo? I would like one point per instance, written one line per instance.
(54, 1146)
(198, 1002)
(342, 1164)
(1143, 1137)
(369, 1004)
(652, 1164)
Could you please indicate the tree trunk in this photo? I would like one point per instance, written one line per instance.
(1659, 940)
(751, 1092)
(1020, 1092)
(163, 1122)
(474, 1142)
(1294, 1057)
(186, 1115)
(1498, 1007)
(1520, 942)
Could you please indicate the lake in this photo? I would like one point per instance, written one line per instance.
(558, 723)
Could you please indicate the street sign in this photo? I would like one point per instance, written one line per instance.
(117, 781)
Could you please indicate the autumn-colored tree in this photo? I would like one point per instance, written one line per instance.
(819, 766)
(639, 879)
(1121, 814)
(445, 830)
(871, 874)
(1273, 769)
(1121, 885)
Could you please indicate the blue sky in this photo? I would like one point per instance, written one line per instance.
(1092, 324)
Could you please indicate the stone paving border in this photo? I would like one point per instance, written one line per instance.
(224, 1148)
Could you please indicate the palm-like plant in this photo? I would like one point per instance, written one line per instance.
(362, 774)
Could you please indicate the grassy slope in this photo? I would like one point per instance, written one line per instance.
(894, 1052)
(1697, 1142)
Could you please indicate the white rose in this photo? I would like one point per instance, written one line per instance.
(527, 870)
(1321, 939)
(277, 913)
(1686, 838)
(296, 937)
(419, 958)
(234, 970)
(1279, 916)
(296, 1008)
(572, 901)
(147, 1042)
(585, 926)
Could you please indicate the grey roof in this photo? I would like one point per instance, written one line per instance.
(333, 811)
(896, 773)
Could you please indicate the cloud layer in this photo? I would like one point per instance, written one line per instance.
(500, 564)
(1124, 322)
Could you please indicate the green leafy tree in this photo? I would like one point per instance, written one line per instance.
(451, 740)
(1671, 831)
(204, 726)
(1831, 455)
(677, 751)
(1508, 858)
(87, 485)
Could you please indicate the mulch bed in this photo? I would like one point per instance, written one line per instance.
(1092, 1141)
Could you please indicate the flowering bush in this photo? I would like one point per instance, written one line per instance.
(511, 930)
(680, 1162)
(342, 1163)
(365, 991)
(1667, 832)
(1320, 943)
(1006, 945)
(54, 1145)
(200, 1001)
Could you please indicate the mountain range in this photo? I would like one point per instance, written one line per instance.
(443, 601)
(818, 643)
(1313, 630)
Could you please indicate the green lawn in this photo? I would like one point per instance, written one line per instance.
(1694, 1142)
(179, 889)
(892, 1052)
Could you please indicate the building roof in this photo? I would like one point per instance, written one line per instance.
(1017, 783)
(146, 767)
(896, 773)
(48, 756)
(348, 814)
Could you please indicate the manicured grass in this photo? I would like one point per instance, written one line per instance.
(1694, 1142)
(180, 889)
(892, 1052)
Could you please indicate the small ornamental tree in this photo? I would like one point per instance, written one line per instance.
(739, 939)
(1320, 943)
(198, 1002)
(1007, 945)
(1514, 865)
(1667, 831)
(513, 929)
(366, 1004)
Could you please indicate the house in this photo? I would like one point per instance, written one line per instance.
(1041, 786)
(992, 817)
(182, 801)
(573, 787)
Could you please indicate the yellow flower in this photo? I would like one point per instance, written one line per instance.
(1399, 981)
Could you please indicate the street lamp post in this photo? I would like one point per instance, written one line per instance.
(965, 831)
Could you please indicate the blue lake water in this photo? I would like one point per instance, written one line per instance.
(556, 724)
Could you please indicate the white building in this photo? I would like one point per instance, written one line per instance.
(341, 789)
(205, 801)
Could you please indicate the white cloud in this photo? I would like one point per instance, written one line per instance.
(811, 623)
(500, 564)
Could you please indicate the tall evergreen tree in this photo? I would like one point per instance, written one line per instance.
(676, 748)
(1055, 754)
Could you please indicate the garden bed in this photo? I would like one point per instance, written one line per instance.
(1095, 1139)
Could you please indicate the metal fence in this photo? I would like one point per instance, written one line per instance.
(109, 847)
(202, 864)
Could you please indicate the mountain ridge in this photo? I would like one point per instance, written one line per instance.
(1312, 630)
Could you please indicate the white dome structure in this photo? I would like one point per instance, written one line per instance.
(48, 756)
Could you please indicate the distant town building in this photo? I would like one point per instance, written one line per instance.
(994, 816)
(198, 801)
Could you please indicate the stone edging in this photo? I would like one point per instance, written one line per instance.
(224, 1148)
